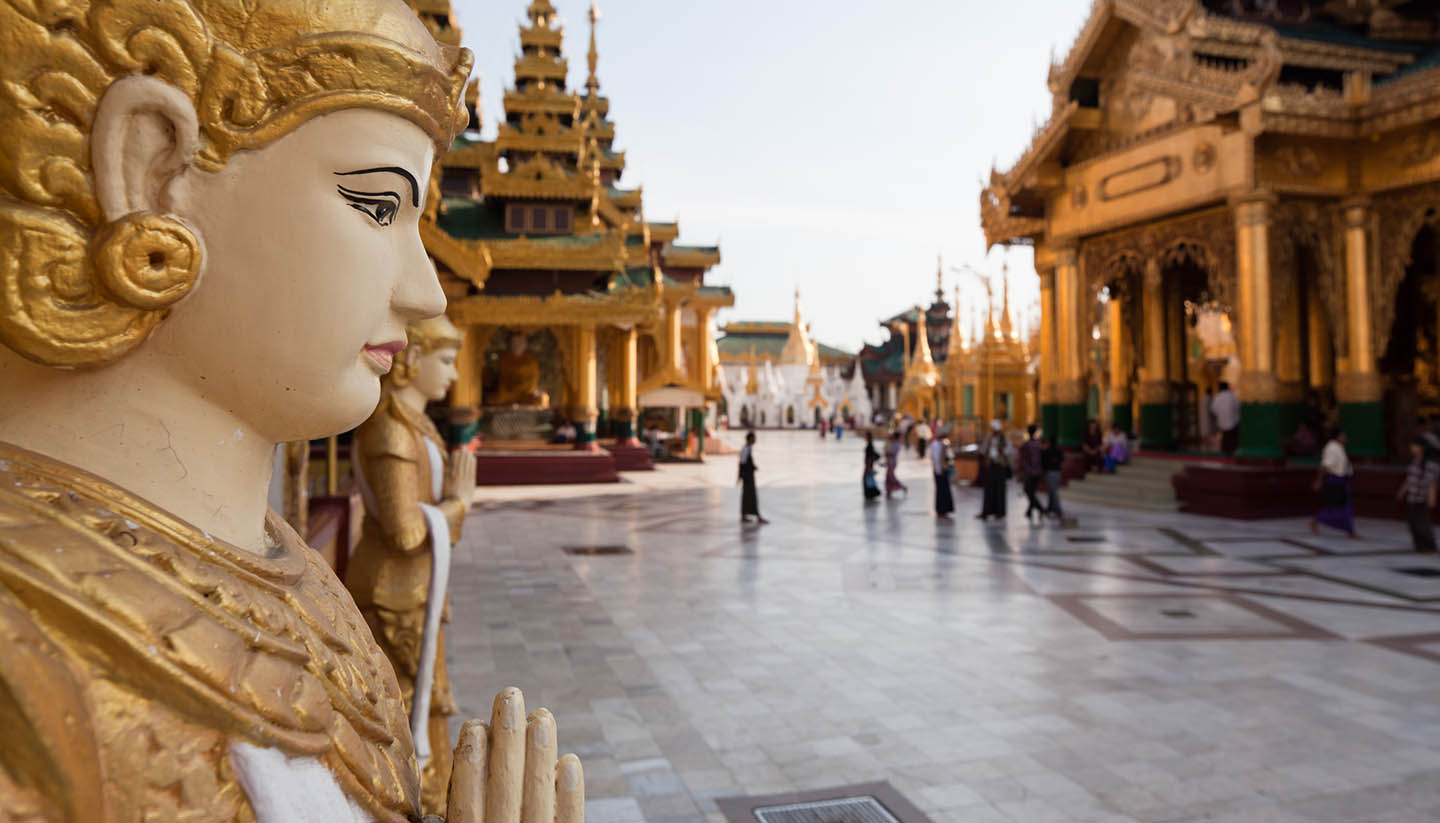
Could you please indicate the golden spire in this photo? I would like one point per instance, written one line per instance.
(922, 361)
(1005, 327)
(956, 334)
(798, 349)
(541, 13)
(939, 279)
(592, 83)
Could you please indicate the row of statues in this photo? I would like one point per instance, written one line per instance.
(181, 183)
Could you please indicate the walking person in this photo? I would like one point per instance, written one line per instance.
(995, 462)
(1417, 492)
(1052, 460)
(1031, 471)
(1226, 408)
(867, 481)
(922, 436)
(1337, 503)
(892, 459)
(749, 500)
(939, 463)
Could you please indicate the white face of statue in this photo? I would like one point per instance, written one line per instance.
(313, 266)
(434, 372)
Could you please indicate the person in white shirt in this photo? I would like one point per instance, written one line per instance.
(1226, 408)
(922, 436)
(1337, 504)
(940, 465)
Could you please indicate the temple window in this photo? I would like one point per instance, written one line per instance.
(967, 401)
(538, 218)
(1086, 91)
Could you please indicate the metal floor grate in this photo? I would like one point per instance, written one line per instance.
(864, 809)
(1418, 571)
(598, 550)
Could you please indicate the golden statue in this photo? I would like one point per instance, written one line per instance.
(183, 181)
(414, 507)
(519, 377)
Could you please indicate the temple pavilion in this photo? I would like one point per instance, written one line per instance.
(776, 375)
(574, 306)
(1265, 176)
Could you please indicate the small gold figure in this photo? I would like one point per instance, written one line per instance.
(415, 502)
(519, 377)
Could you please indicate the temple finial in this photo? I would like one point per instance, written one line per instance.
(1005, 326)
(592, 83)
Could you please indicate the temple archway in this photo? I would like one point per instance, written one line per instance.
(1411, 362)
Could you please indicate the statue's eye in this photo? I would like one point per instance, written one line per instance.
(381, 206)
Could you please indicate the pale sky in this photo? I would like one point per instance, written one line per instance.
(835, 147)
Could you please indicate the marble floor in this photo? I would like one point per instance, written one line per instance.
(1137, 667)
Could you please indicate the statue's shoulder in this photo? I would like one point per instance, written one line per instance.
(141, 628)
(386, 432)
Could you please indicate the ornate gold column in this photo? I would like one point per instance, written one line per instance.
(585, 408)
(1359, 388)
(466, 393)
(624, 399)
(1069, 385)
(1049, 412)
(1321, 351)
(704, 368)
(1119, 365)
(1157, 414)
(1259, 390)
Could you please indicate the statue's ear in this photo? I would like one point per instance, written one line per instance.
(145, 131)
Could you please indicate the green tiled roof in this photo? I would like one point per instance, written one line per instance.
(701, 249)
(765, 344)
(831, 351)
(468, 219)
(715, 290)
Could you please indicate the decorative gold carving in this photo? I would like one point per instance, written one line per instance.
(1142, 177)
(254, 72)
(147, 261)
(1299, 160)
(1153, 392)
(174, 642)
(1079, 196)
(1417, 148)
(1206, 239)
(1204, 158)
(1400, 216)
(1069, 392)
(1359, 387)
(1313, 226)
(1259, 387)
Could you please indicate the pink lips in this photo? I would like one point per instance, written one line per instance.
(382, 357)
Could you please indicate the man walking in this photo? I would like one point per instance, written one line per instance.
(1226, 408)
(1031, 470)
(939, 463)
(1418, 491)
(749, 501)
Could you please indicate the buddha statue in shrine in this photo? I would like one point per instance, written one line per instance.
(182, 184)
(415, 502)
(519, 377)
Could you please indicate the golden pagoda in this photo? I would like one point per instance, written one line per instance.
(573, 306)
(990, 378)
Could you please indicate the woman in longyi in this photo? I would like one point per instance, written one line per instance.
(182, 182)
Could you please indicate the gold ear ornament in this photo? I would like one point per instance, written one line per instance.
(148, 261)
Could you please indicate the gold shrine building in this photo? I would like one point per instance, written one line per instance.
(573, 305)
(1272, 167)
(950, 374)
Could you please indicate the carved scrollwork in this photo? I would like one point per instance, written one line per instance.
(1400, 218)
(1314, 226)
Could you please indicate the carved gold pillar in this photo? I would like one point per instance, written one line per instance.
(1260, 414)
(624, 399)
(466, 393)
(1358, 390)
(704, 368)
(674, 340)
(585, 406)
(1049, 412)
(1119, 365)
(1157, 414)
(1069, 385)
(1322, 353)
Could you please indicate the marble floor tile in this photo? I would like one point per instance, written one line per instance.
(1140, 667)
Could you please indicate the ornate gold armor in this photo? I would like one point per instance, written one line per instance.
(138, 648)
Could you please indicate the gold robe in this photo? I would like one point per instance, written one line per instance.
(136, 650)
(389, 572)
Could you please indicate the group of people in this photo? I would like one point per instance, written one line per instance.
(1335, 483)
(1105, 452)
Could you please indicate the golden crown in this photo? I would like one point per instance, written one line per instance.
(254, 70)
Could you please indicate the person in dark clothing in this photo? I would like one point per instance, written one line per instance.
(996, 465)
(1052, 460)
(871, 487)
(1031, 471)
(1418, 491)
(749, 500)
(1092, 444)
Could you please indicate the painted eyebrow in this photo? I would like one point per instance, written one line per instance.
(409, 178)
